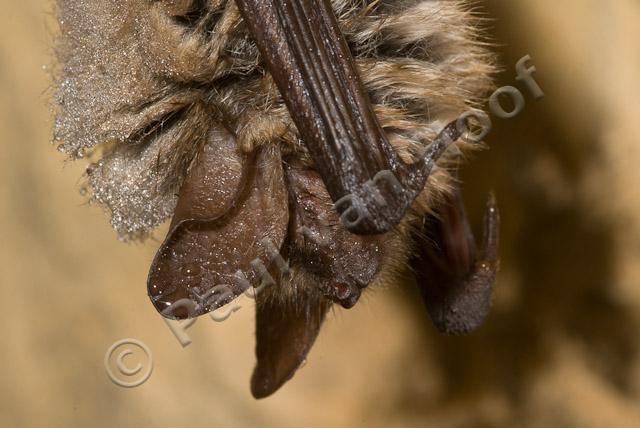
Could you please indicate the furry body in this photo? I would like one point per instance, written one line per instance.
(142, 82)
(174, 99)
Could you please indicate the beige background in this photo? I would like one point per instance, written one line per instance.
(561, 347)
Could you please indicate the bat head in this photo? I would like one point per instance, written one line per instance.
(248, 123)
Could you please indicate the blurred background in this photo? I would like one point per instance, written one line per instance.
(562, 344)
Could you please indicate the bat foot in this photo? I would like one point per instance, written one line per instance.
(455, 285)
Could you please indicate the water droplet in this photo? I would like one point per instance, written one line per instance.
(191, 269)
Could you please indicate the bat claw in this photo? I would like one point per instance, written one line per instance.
(381, 203)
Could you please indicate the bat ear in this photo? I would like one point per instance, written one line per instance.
(455, 284)
(232, 211)
(285, 332)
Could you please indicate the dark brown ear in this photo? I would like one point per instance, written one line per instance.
(232, 211)
(455, 284)
(285, 332)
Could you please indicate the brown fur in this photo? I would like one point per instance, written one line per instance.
(141, 83)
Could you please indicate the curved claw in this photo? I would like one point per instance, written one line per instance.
(314, 70)
(455, 285)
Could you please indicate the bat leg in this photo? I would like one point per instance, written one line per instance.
(455, 284)
(311, 63)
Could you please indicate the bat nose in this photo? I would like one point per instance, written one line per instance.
(343, 293)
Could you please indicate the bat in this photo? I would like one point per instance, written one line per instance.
(307, 148)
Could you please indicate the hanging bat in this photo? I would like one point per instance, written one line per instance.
(308, 148)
